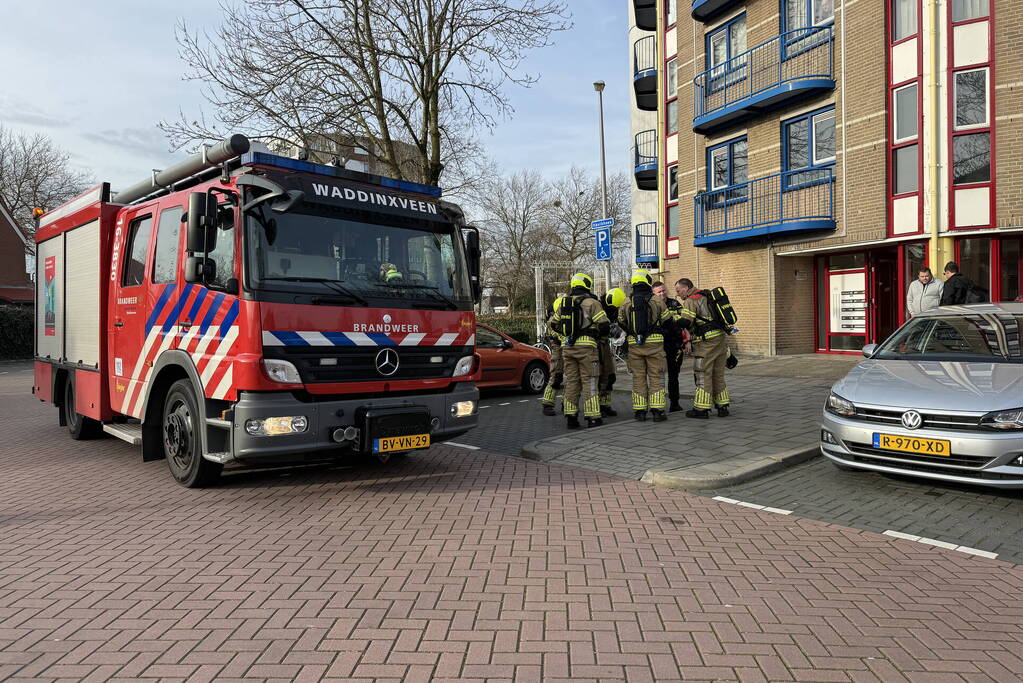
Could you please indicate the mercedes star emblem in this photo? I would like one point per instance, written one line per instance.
(912, 419)
(387, 363)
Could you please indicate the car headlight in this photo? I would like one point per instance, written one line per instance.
(839, 406)
(281, 371)
(463, 366)
(463, 408)
(1004, 419)
(276, 426)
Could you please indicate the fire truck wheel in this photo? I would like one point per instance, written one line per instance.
(80, 426)
(534, 379)
(182, 443)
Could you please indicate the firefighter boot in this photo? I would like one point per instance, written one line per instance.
(659, 415)
(675, 407)
(548, 409)
(608, 411)
(594, 422)
(723, 411)
(697, 413)
(640, 416)
(572, 422)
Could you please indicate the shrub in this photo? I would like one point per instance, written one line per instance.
(15, 332)
(518, 326)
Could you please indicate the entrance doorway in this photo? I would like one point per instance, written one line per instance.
(884, 293)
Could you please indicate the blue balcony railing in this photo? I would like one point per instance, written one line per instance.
(644, 72)
(794, 201)
(795, 64)
(646, 243)
(702, 10)
(645, 160)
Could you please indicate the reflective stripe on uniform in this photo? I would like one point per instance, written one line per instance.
(638, 401)
(656, 338)
(592, 407)
(549, 394)
(658, 400)
(702, 399)
(722, 398)
(713, 334)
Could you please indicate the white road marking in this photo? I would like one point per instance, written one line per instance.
(941, 544)
(755, 506)
(462, 445)
(504, 404)
(482, 407)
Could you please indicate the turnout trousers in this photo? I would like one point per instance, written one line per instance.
(647, 363)
(709, 356)
(673, 356)
(606, 379)
(580, 379)
(550, 392)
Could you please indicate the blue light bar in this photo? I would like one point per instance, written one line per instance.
(264, 159)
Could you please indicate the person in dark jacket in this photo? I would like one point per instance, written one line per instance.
(957, 286)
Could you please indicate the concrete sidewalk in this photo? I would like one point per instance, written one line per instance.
(774, 423)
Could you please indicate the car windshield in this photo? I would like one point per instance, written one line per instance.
(981, 337)
(366, 264)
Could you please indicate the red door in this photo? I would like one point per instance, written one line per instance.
(129, 305)
(883, 311)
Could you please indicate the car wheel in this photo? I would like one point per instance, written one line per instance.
(182, 442)
(80, 426)
(534, 379)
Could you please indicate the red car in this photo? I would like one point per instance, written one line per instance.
(508, 363)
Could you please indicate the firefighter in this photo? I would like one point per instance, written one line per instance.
(644, 316)
(606, 382)
(581, 321)
(554, 380)
(710, 352)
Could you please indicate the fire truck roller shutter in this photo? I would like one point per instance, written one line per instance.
(83, 295)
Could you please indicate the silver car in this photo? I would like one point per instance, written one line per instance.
(941, 399)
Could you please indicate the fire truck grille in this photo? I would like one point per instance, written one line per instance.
(359, 363)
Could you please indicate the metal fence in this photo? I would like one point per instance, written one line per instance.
(751, 208)
(646, 149)
(644, 56)
(646, 243)
(796, 54)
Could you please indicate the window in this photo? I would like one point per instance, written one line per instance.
(136, 250)
(903, 19)
(672, 184)
(971, 99)
(726, 47)
(964, 10)
(805, 13)
(673, 210)
(808, 144)
(975, 260)
(972, 158)
(727, 165)
(223, 259)
(670, 15)
(906, 118)
(671, 114)
(672, 76)
(673, 222)
(906, 168)
(488, 340)
(165, 262)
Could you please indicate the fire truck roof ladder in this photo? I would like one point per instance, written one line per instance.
(173, 178)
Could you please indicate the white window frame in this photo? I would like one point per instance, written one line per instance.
(821, 22)
(895, 113)
(672, 79)
(914, 4)
(724, 150)
(814, 159)
(671, 17)
(987, 99)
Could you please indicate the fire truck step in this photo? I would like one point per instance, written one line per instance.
(132, 433)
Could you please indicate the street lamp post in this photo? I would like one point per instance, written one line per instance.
(599, 87)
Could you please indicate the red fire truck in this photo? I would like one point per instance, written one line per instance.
(242, 307)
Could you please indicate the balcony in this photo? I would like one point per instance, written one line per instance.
(644, 73)
(646, 244)
(646, 14)
(702, 10)
(779, 204)
(796, 64)
(645, 164)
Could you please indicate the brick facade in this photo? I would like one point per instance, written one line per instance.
(15, 284)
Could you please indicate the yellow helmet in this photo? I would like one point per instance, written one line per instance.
(557, 304)
(641, 277)
(616, 297)
(582, 280)
(393, 275)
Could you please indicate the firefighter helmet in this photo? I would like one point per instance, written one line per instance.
(616, 297)
(641, 277)
(582, 280)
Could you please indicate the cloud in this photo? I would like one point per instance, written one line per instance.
(148, 142)
(18, 111)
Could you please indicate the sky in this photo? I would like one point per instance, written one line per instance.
(98, 76)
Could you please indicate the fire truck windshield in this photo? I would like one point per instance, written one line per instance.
(337, 260)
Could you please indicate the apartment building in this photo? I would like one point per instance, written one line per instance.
(811, 155)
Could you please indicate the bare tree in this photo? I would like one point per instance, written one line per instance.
(577, 204)
(412, 79)
(34, 172)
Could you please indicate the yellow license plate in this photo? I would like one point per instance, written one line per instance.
(401, 443)
(912, 444)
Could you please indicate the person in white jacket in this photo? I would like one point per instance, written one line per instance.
(924, 293)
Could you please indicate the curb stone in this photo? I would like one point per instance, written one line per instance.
(726, 472)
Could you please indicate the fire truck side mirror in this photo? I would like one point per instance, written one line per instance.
(199, 269)
(471, 235)
(202, 223)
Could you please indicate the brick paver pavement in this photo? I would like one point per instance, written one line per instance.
(463, 565)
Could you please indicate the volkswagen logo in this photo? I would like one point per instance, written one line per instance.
(387, 363)
(912, 419)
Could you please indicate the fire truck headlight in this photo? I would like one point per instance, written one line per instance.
(464, 366)
(281, 371)
(463, 408)
(276, 426)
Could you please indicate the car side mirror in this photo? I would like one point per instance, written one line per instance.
(869, 350)
(507, 343)
(200, 269)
